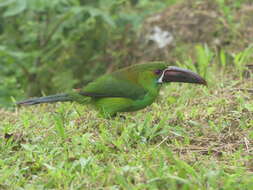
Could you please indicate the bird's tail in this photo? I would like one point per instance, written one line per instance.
(47, 99)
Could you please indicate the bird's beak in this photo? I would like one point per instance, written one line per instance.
(175, 74)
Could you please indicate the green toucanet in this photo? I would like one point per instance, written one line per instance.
(128, 89)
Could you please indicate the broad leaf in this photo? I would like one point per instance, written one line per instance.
(4, 3)
(16, 8)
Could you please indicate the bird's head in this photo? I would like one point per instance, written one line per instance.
(175, 74)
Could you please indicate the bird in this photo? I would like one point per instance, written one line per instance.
(125, 90)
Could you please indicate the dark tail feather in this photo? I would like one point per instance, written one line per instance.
(46, 99)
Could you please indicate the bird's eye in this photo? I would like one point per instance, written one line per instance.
(158, 72)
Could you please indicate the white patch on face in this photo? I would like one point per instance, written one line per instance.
(160, 80)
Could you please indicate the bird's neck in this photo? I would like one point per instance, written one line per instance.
(148, 81)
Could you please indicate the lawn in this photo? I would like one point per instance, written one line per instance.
(193, 137)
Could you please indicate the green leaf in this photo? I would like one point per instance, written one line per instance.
(249, 107)
(59, 126)
(16, 8)
(44, 5)
(4, 3)
(96, 12)
(223, 58)
(171, 100)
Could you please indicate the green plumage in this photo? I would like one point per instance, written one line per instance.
(125, 90)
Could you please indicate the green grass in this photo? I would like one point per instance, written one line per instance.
(193, 137)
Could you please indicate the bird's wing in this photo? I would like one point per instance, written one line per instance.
(115, 85)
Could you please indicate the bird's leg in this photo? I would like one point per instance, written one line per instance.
(122, 117)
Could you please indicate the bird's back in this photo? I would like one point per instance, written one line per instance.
(122, 83)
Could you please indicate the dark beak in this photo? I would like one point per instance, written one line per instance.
(175, 74)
